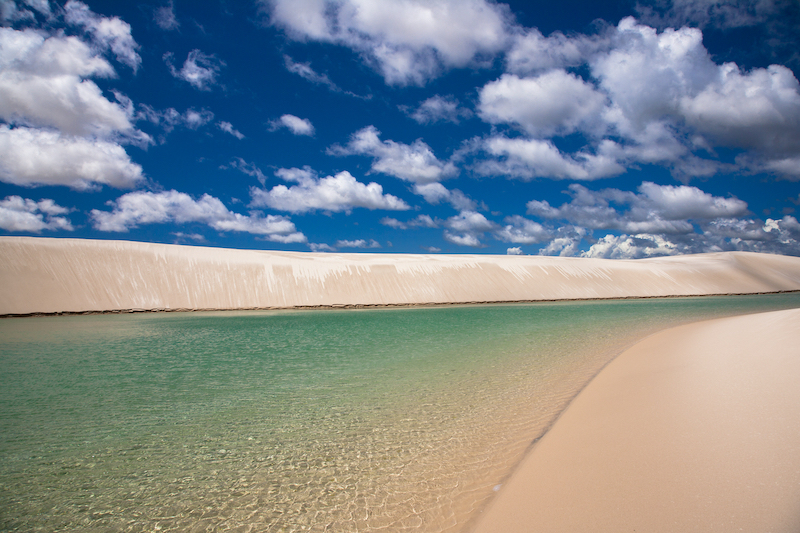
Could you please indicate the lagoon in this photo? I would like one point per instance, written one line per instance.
(334, 420)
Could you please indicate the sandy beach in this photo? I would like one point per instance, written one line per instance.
(45, 275)
(693, 429)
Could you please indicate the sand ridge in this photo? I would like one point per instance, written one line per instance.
(49, 275)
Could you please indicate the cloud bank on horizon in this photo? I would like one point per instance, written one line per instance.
(456, 126)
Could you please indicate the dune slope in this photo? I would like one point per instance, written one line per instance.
(46, 275)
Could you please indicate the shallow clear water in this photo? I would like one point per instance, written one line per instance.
(352, 420)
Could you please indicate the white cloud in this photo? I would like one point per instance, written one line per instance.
(297, 125)
(142, 207)
(520, 230)
(533, 53)
(554, 103)
(11, 12)
(410, 162)
(466, 228)
(650, 97)
(248, 168)
(107, 33)
(305, 71)
(665, 88)
(532, 158)
(227, 127)
(358, 243)
(631, 247)
(25, 215)
(199, 70)
(423, 221)
(435, 193)
(42, 83)
(30, 157)
(321, 247)
(788, 166)
(562, 246)
(655, 209)
(516, 250)
(420, 221)
(333, 193)
(170, 118)
(759, 109)
(393, 223)
(164, 17)
(440, 109)
(408, 42)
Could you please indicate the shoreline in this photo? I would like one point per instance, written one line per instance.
(672, 441)
(373, 306)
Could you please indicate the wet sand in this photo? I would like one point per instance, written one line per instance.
(46, 275)
(696, 428)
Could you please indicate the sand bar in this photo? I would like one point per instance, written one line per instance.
(696, 428)
(46, 275)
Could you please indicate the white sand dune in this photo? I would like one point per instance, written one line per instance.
(45, 275)
(695, 429)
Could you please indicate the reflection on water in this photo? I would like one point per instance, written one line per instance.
(385, 419)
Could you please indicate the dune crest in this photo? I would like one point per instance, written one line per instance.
(48, 275)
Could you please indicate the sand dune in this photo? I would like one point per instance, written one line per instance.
(693, 429)
(44, 275)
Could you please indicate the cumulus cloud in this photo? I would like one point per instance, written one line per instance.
(60, 128)
(31, 157)
(410, 162)
(655, 209)
(439, 109)
(556, 102)
(358, 243)
(533, 158)
(631, 247)
(107, 33)
(520, 230)
(568, 246)
(652, 97)
(143, 207)
(199, 70)
(436, 193)
(420, 221)
(43, 83)
(780, 236)
(516, 250)
(24, 215)
(341, 192)
(467, 228)
(407, 42)
(297, 125)
(532, 52)
(321, 247)
(667, 82)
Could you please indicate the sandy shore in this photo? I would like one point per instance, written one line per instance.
(45, 275)
(696, 428)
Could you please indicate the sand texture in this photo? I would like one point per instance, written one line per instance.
(45, 275)
(696, 428)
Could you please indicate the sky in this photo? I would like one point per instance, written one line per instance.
(616, 129)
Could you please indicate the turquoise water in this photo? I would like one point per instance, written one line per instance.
(336, 420)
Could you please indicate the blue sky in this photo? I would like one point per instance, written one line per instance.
(577, 128)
